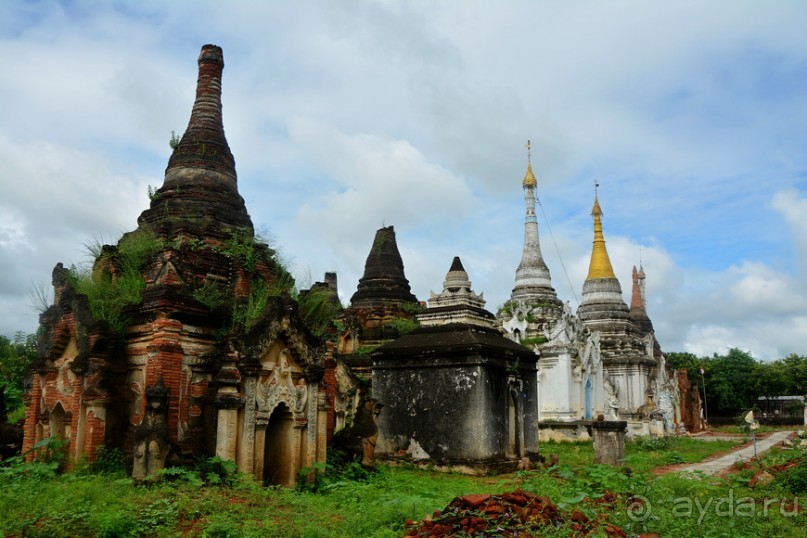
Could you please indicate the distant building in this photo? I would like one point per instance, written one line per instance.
(783, 407)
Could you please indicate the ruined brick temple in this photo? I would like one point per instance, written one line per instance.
(184, 340)
(211, 358)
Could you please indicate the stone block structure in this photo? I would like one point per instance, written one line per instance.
(609, 441)
(190, 302)
(455, 391)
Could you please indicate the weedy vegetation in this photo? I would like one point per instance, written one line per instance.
(342, 499)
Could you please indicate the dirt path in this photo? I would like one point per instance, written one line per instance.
(718, 463)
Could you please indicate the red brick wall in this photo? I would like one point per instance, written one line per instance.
(690, 402)
(329, 380)
(32, 413)
(93, 435)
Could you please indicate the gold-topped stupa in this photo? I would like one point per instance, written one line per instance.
(529, 177)
(600, 265)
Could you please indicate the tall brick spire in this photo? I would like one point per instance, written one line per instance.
(200, 193)
(638, 306)
(636, 297)
(204, 145)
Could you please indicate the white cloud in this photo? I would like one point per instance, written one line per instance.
(375, 180)
(343, 117)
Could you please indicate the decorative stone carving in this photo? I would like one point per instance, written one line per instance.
(152, 443)
(359, 440)
(611, 387)
(648, 407)
(281, 388)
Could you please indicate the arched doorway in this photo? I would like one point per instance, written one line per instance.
(589, 389)
(57, 422)
(277, 459)
(58, 433)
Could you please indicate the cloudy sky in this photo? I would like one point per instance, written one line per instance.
(347, 116)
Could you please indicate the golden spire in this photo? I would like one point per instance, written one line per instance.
(600, 266)
(529, 177)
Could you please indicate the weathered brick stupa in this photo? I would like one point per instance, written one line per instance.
(183, 340)
(382, 309)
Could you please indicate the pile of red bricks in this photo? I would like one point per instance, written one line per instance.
(516, 514)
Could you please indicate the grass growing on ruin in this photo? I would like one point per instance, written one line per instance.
(35, 501)
(114, 283)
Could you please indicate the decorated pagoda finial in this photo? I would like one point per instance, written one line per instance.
(529, 177)
(600, 266)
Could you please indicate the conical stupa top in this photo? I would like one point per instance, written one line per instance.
(602, 294)
(457, 303)
(456, 289)
(199, 195)
(384, 282)
(529, 178)
(204, 145)
(457, 278)
(600, 265)
(638, 305)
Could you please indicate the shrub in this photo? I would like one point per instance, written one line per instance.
(650, 442)
(318, 310)
(50, 457)
(108, 461)
(529, 342)
(795, 478)
(249, 314)
(403, 325)
(216, 471)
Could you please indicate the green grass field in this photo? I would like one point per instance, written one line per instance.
(34, 501)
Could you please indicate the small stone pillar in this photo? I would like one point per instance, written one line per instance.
(609, 441)
(228, 402)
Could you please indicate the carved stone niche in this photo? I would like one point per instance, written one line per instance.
(281, 387)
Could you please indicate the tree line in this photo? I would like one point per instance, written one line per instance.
(735, 381)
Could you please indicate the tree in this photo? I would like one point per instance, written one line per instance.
(732, 386)
(16, 359)
(691, 362)
(795, 369)
(770, 379)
